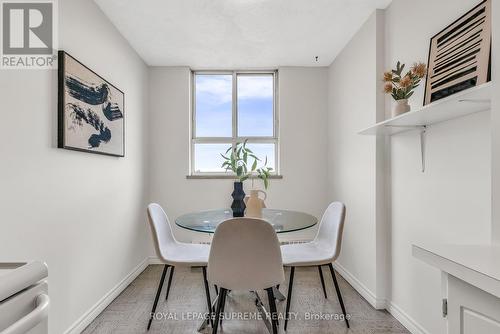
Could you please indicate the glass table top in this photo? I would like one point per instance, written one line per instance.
(282, 220)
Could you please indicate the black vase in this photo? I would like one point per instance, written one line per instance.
(238, 205)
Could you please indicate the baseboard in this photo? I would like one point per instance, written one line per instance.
(366, 293)
(405, 319)
(155, 260)
(380, 304)
(95, 310)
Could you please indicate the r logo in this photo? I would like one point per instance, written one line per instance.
(27, 28)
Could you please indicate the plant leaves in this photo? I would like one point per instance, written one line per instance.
(254, 165)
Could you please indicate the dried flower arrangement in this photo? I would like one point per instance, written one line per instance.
(401, 86)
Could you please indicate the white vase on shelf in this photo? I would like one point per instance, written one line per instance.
(400, 107)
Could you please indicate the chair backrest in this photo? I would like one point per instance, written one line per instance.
(162, 232)
(331, 227)
(245, 255)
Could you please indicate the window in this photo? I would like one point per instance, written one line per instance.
(231, 107)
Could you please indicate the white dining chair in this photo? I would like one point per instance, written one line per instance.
(173, 253)
(322, 251)
(245, 255)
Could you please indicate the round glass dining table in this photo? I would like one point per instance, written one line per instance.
(281, 220)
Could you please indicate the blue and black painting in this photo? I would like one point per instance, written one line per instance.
(93, 95)
(81, 116)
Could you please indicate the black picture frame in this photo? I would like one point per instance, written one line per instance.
(63, 98)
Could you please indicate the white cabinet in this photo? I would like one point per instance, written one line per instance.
(471, 310)
(471, 284)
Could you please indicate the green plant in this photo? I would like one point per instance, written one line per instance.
(243, 162)
(264, 173)
(402, 86)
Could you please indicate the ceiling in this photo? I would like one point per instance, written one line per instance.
(221, 34)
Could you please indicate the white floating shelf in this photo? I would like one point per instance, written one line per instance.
(461, 104)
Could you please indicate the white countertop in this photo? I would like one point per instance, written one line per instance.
(478, 265)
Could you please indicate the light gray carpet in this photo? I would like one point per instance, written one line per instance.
(129, 312)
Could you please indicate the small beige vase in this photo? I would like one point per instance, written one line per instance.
(255, 204)
(400, 107)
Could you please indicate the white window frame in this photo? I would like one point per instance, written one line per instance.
(274, 139)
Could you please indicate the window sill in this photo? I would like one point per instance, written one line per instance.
(223, 177)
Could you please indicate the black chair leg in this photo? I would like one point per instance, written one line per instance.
(272, 309)
(223, 308)
(339, 295)
(207, 294)
(158, 292)
(220, 302)
(322, 281)
(216, 289)
(289, 298)
(170, 281)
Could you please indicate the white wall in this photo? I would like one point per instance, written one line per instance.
(81, 213)
(302, 100)
(448, 203)
(353, 97)
(495, 124)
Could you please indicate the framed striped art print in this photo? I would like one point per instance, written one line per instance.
(460, 55)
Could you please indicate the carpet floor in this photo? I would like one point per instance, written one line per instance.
(186, 305)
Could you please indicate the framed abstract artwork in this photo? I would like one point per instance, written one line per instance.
(91, 115)
(460, 55)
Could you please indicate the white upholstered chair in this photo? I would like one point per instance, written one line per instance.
(245, 255)
(173, 253)
(322, 251)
